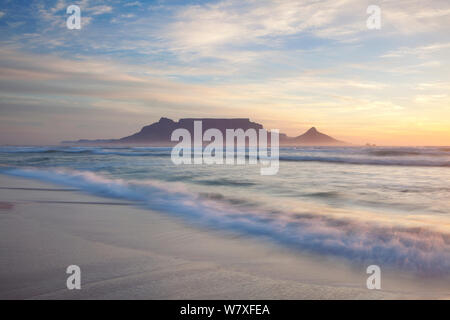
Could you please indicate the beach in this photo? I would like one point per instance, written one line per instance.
(126, 252)
(229, 150)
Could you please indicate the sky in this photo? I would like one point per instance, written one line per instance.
(288, 64)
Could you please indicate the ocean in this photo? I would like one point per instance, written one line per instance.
(387, 206)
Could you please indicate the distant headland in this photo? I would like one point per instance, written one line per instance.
(159, 133)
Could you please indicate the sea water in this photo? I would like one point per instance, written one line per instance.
(387, 206)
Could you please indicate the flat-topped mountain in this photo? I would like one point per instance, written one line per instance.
(159, 133)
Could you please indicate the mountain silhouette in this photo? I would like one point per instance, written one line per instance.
(314, 137)
(159, 133)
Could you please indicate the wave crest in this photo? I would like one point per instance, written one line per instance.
(418, 249)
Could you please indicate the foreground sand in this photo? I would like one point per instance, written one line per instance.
(130, 253)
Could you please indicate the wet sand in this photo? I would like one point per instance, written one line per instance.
(127, 252)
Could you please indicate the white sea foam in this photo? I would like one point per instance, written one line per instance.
(417, 249)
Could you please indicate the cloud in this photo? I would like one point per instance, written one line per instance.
(135, 90)
(133, 4)
(94, 79)
(128, 15)
(230, 25)
(419, 51)
(440, 85)
(98, 10)
(431, 98)
(205, 29)
(411, 17)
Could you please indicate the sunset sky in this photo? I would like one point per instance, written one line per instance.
(286, 64)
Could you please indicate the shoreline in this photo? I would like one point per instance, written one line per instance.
(126, 252)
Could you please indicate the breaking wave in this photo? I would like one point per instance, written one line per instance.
(417, 249)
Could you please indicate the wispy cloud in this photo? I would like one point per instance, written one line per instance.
(133, 4)
(420, 51)
(208, 29)
(98, 10)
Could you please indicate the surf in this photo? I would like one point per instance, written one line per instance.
(416, 249)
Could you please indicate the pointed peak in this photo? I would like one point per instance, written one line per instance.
(312, 129)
